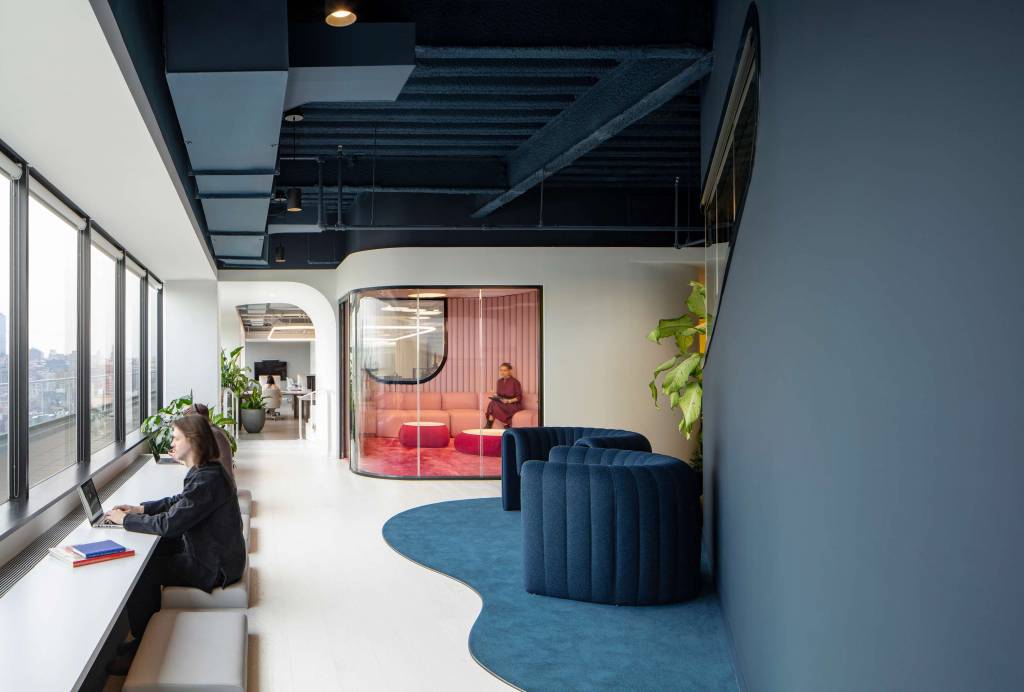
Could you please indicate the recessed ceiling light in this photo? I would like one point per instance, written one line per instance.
(339, 13)
(294, 115)
(426, 295)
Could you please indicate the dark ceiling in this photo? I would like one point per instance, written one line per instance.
(522, 123)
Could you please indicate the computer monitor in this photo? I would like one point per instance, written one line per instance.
(90, 501)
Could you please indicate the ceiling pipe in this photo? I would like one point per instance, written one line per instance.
(340, 223)
(525, 227)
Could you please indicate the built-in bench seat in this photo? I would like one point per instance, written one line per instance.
(245, 502)
(235, 596)
(187, 651)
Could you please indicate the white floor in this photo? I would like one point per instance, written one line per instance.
(333, 607)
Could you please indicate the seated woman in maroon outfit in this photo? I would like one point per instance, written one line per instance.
(508, 398)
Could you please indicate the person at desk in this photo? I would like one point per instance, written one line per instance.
(507, 399)
(272, 395)
(221, 437)
(201, 530)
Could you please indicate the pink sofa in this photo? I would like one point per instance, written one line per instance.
(458, 410)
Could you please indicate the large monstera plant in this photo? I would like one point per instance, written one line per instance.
(682, 376)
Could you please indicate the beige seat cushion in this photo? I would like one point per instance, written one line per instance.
(194, 651)
(245, 530)
(188, 598)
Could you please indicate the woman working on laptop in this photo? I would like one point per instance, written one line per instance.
(202, 544)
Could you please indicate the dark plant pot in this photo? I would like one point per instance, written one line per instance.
(253, 419)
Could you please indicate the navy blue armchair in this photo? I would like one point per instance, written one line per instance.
(519, 445)
(611, 526)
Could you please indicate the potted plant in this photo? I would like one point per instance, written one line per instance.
(159, 426)
(233, 375)
(254, 416)
(682, 375)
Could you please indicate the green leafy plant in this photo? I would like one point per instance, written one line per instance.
(159, 426)
(225, 423)
(682, 375)
(253, 399)
(233, 375)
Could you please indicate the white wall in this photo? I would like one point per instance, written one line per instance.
(102, 157)
(232, 334)
(294, 353)
(191, 340)
(305, 290)
(598, 306)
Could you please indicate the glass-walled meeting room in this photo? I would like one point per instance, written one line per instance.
(435, 375)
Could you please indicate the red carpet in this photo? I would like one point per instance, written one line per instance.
(385, 456)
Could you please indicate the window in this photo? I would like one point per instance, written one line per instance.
(132, 351)
(729, 172)
(6, 190)
(404, 338)
(53, 338)
(71, 396)
(153, 340)
(102, 279)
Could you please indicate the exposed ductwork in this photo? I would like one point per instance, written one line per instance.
(231, 76)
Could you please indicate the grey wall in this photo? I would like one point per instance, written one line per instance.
(294, 353)
(863, 389)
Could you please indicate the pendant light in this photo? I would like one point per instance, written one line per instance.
(294, 195)
(338, 13)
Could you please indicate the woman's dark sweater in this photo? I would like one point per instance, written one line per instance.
(207, 518)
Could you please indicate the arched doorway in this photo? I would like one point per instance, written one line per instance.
(323, 357)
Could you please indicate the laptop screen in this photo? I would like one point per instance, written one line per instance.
(91, 499)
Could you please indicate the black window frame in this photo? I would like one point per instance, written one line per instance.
(19, 501)
(751, 80)
(444, 333)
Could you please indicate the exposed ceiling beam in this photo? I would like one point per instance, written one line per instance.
(627, 94)
(557, 53)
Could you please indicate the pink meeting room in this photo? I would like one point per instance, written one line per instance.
(442, 373)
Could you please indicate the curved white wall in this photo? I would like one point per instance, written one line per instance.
(323, 313)
(598, 306)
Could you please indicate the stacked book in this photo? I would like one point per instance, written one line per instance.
(88, 553)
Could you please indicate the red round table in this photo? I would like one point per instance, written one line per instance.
(486, 441)
(430, 434)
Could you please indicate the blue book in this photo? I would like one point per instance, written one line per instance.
(91, 550)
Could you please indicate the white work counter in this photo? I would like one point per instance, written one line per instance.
(54, 621)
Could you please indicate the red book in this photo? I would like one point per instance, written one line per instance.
(68, 556)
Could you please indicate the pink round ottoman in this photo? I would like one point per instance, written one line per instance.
(486, 441)
(430, 434)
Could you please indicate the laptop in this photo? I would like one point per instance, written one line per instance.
(93, 507)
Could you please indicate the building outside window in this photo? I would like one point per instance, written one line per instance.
(5, 303)
(152, 340)
(102, 277)
(132, 351)
(52, 338)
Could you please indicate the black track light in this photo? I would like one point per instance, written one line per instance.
(294, 199)
(279, 254)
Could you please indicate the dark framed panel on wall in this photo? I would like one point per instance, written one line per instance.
(418, 408)
(731, 166)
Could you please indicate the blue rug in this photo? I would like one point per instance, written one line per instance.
(541, 643)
